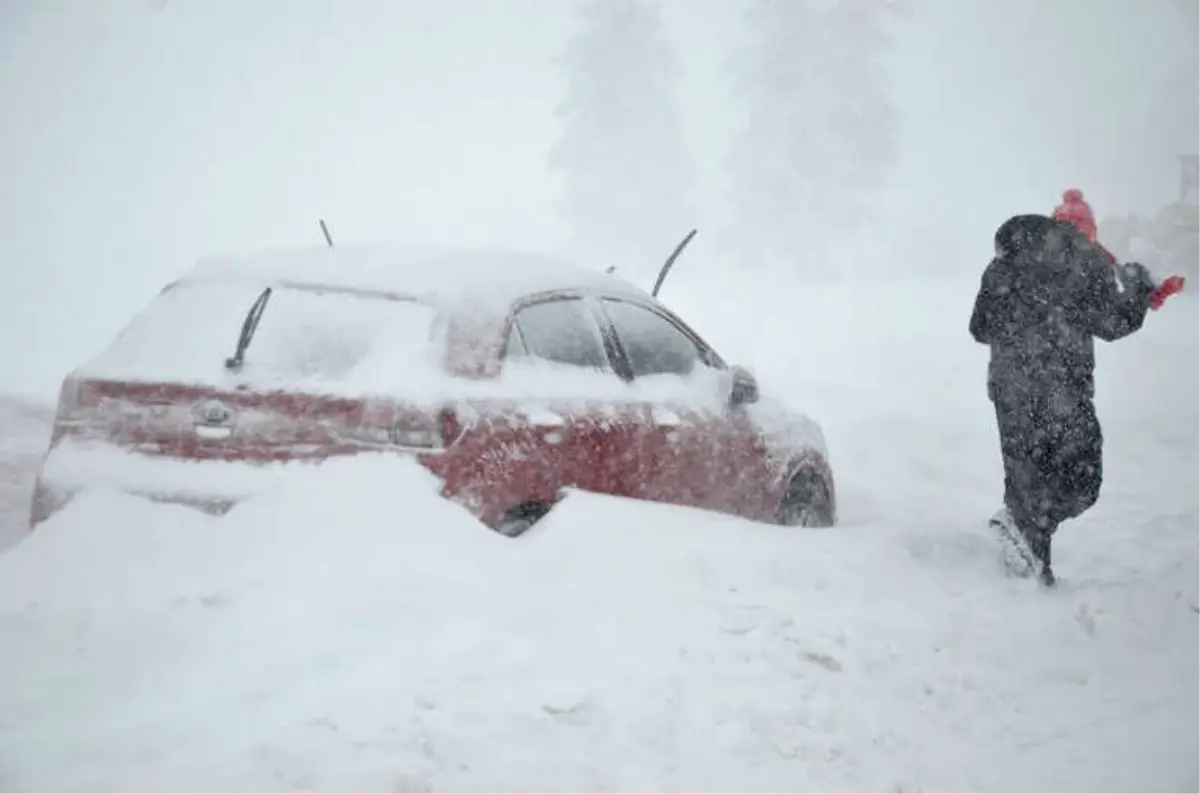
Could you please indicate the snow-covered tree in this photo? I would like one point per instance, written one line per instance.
(628, 174)
(818, 139)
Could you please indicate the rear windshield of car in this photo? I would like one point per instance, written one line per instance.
(355, 341)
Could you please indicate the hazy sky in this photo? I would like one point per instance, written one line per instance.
(136, 135)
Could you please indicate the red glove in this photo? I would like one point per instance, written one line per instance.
(1170, 286)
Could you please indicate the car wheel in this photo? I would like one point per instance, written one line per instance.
(520, 518)
(807, 502)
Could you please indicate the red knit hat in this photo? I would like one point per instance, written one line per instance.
(1075, 210)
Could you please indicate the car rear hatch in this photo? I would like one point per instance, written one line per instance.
(219, 371)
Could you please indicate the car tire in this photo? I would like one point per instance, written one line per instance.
(807, 502)
(520, 518)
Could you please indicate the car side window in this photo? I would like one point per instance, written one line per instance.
(653, 344)
(562, 330)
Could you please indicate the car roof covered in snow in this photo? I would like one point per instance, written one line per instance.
(474, 278)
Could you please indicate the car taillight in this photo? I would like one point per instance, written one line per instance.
(77, 399)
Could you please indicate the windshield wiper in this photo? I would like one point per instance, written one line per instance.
(249, 326)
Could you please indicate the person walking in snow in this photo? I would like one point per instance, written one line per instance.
(1049, 290)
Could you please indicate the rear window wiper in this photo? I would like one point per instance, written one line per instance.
(249, 326)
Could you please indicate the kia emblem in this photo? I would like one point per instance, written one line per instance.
(213, 413)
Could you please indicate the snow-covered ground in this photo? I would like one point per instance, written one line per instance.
(356, 632)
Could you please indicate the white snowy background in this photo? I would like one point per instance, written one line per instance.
(356, 632)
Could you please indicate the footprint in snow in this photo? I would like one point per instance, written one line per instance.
(824, 660)
(571, 713)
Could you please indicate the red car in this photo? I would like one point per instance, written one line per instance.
(510, 377)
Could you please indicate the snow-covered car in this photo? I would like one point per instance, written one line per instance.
(510, 377)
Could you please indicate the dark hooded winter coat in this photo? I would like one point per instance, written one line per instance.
(1043, 298)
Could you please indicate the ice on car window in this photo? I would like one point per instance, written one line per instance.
(188, 331)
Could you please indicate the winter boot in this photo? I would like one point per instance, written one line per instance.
(1024, 552)
(1014, 550)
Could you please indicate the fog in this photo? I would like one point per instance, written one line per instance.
(137, 136)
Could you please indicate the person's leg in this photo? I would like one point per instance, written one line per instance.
(1078, 464)
(1064, 475)
(1022, 448)
(1042, 488)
